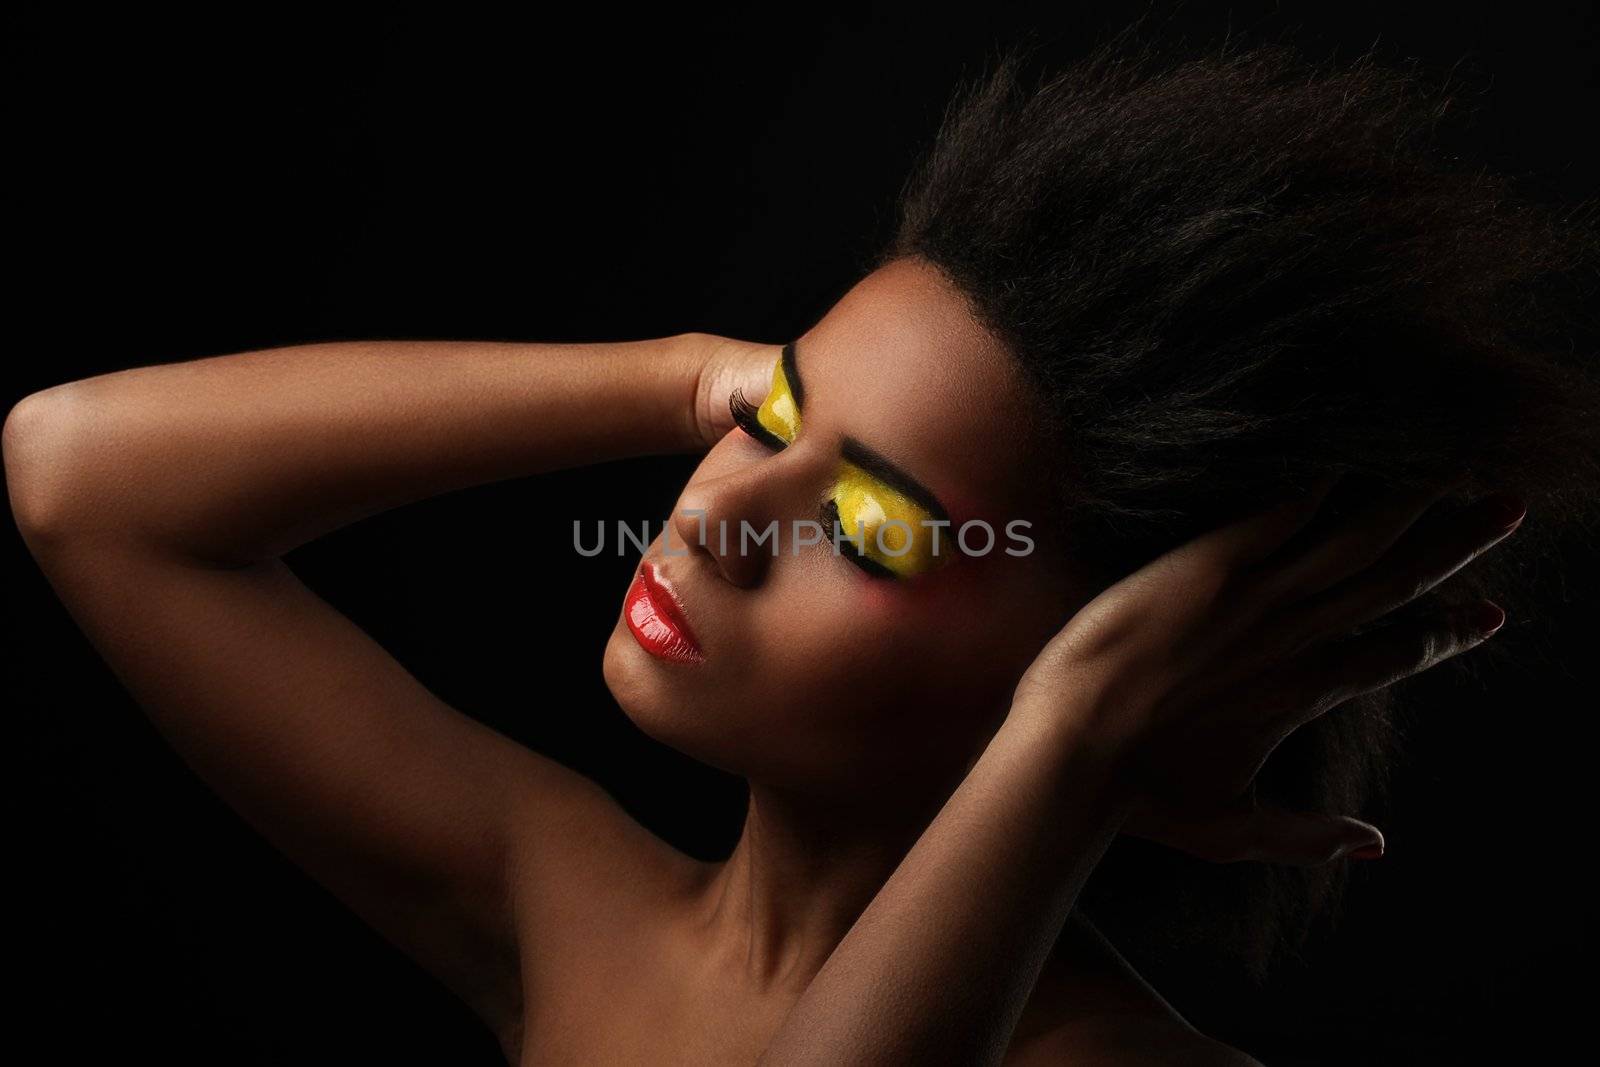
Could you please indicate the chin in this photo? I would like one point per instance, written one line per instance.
(657, 699)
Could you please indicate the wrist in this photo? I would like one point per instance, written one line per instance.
(686, 356)
(1084, 760)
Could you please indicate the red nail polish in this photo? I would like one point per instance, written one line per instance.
(1506, 509)
(1487, 617)
(1366, 852)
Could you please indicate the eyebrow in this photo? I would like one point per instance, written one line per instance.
(864, 456)
(792, 374)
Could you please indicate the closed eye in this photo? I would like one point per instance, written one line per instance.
(894, 527)
(847, 544)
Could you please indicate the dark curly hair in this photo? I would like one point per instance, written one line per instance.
(1229, 270)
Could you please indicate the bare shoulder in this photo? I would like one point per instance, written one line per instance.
(592, 886)
(1092, 1006)
(1127, 1041)
(585, 857)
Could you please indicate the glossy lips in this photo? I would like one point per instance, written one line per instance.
(656, 619)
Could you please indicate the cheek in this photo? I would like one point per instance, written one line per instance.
(866, 666)
(839, 649)
(944, 601)
(931, 637)
(969, 626)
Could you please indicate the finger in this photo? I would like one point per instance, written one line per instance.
(1303, 838)
(1341, 670)
(734, 365)
(1439, 545)
(1347, 543)
(1247, 832)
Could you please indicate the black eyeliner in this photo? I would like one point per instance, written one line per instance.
(847, 546)
(892, 476)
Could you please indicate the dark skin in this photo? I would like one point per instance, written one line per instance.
(935, 765)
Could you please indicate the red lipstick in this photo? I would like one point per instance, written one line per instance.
(656, 618)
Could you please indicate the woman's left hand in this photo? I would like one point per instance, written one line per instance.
(726, 364)
(1201, 663)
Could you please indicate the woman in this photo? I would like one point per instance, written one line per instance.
(1249, 371)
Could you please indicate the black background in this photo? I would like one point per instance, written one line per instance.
(212, 183)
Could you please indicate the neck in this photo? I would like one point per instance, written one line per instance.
(808, 864)
(803, 870)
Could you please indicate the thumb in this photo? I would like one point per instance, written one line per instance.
(1247, 831)
(1301, 838)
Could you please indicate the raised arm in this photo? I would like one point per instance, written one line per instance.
(238, 458)
(157, 501)
(1154, 707)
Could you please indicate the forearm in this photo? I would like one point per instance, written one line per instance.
(940, 965)
(241, 457)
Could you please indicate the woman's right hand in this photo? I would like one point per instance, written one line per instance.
(726, 364)
(1189, 672)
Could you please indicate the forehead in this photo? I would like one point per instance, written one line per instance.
(900, 364)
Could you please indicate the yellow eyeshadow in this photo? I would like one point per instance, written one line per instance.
(867, 507)
(778, 411)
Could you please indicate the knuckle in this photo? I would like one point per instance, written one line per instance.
(1437, 643)
(1462, 637)
(1426, 651)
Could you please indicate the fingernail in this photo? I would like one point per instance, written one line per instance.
(1486, 617)
(1365, 852)
(1505, 508)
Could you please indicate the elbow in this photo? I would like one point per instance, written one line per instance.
(37, 443)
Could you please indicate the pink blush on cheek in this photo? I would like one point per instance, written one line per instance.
(940, 597)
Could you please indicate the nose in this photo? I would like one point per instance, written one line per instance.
(723, 516)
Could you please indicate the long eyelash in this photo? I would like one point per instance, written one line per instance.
(847, 547)
(744, 416)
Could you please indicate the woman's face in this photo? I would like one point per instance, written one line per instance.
(811, 672)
